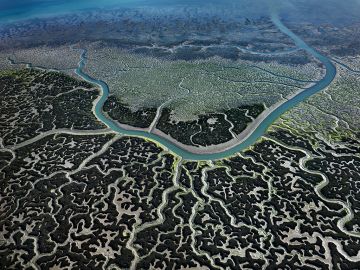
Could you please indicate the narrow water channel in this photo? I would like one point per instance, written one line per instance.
(253, 136)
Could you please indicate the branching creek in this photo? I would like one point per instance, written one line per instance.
(252, 137)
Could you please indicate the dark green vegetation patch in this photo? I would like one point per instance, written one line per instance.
(34, 101)
(212, 128)
(120, 112)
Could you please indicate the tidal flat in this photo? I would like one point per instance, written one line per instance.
(119, 131)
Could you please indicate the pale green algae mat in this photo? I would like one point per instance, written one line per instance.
(258, 131)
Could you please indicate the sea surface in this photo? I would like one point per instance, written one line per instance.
(321, 11)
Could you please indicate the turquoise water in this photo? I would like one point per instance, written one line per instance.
(324, 11)
(17, 10)
(255, 135)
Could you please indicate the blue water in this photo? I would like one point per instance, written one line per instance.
(255, 135)
(17, 10)
(324, 11)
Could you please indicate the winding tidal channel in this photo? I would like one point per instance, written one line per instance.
(252, 137)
